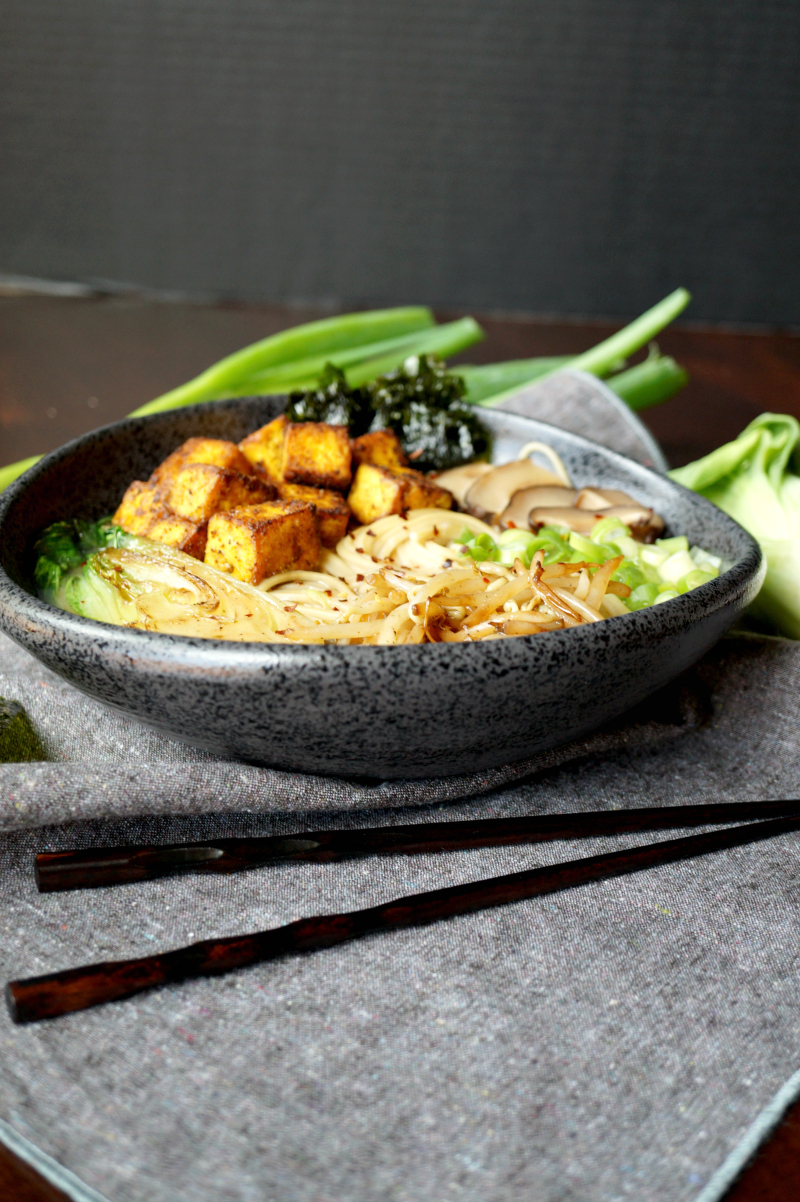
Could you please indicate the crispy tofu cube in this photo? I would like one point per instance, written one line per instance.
(215, 451)
(381, 447)
(264, 448)
(378, 491)
(182, 534)
(422, 493)
(141, 506)
(317, 454)
(202, 489)
(333, 512)
(263, 540)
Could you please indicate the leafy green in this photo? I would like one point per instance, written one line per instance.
(63, 571)
(755, 479)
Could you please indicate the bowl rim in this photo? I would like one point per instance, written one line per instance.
(217, 654)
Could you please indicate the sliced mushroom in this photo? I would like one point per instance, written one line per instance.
(581, 521)
(516, 512)
(644, 524)
(602, 498)
(492, 492)
(458, 480)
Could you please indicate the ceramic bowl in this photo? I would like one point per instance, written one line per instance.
(385, 712)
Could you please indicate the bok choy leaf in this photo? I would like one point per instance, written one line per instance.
(96, 570)
(755, 479)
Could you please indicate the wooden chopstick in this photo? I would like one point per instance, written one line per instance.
(90, 868)
(60, 993)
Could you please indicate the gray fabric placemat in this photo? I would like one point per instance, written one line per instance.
(612, 1041)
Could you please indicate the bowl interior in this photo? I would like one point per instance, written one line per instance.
(87, 477)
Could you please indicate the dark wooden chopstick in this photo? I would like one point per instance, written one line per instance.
(92, 867)
(60, 993)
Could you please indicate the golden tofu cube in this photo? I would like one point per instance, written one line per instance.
(215, 451)
(381, 447)
(333, 512)
(422, 493)
(264, 448)
(262, 540)
(202, 489)
(317, 454)
(378, 491)
(182, 534)
(141, 506)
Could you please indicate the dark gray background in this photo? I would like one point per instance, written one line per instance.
(569, 156)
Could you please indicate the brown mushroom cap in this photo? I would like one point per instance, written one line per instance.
(540, 496)
(582, 521)
(603, 498)
(458, 480)
(492, 492)
(644, 525)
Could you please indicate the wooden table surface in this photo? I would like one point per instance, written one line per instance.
(68, 365)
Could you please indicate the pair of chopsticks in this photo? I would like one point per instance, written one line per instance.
(60, 993)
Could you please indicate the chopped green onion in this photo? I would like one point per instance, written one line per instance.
(671, 545)
(653, 573)
(608, 530)
(694, 580)
(642, 596)
(676, 567)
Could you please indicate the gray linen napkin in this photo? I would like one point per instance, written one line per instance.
(612, 1041)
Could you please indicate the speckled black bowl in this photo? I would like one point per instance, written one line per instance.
(362, 711)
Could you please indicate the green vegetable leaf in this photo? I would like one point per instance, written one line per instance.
(64, 549)
(755, 480)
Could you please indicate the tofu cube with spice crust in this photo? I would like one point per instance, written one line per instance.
(381, 447)
(141, 506)
(422, 493)
(262, 540)
(333, 512)
(186, 536)
(143, 512)
(378, 491)
(202, 489)
(264, 448)
(215, 451)
(317, 454)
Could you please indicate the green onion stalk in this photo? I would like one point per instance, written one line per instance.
(367, 345)
(323, 341)
(647, 384)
